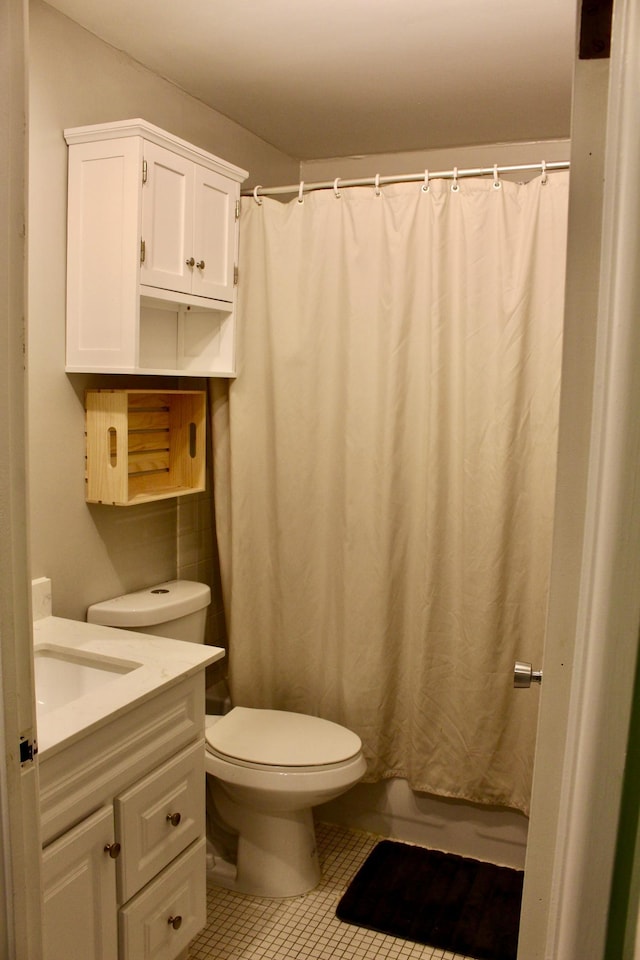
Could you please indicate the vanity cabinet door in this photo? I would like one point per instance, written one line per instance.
(159, 817)
(79, 892)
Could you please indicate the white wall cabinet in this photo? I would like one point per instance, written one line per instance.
(144, 899)
(152, 243)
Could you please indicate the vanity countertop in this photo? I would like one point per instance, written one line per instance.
(156, 663)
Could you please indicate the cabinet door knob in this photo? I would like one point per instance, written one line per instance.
(113, 849)
(191, 262)
(200, 264)
(174, 819)
(175, 922)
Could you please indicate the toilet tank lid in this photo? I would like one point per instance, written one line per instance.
(160, 603)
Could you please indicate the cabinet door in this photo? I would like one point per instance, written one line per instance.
(214, 234)
(167, 220)
(79, 896)
(103, 244)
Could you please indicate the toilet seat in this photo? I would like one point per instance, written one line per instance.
(279, 738)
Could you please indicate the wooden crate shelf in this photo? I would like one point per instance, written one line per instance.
(144, 445)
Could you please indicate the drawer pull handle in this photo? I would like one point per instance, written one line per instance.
(174, 819)
(113, 849)
(191, 262)
(200, 264)
(175, 922)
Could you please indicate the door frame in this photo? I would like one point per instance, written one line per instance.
(20, 903)
(573, 836)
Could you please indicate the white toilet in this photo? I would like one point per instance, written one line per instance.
(270, 767)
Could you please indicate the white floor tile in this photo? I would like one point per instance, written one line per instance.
(303, 928)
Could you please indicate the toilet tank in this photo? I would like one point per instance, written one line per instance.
(176, 609)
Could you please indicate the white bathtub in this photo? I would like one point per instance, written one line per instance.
(392, 809)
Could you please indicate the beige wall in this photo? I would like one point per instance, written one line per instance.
(92, 552)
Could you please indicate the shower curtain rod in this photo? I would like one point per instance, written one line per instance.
(378, 181)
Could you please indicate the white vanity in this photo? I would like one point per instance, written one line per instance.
(122, 791)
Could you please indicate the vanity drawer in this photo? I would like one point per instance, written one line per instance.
(158, 818)
(164, 917)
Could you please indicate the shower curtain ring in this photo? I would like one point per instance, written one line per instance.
(496, 179)
(425, 185)
(257, 199)
(377, 183)
(544, 172)
(455, 186)
(300, 191)
(336, 192)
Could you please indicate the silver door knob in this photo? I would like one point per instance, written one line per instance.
(524, 675)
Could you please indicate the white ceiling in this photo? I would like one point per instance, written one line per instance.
(328, 78)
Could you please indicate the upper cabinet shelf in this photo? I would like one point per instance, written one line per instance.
(152, 253)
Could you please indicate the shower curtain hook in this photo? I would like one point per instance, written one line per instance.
(257, 199)
(425, 185)
(335, 189)
(377, 183)
(455, 186)
(496, 179)
(544, 172)
(300, 191)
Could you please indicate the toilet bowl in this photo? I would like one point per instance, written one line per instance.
(268, 768)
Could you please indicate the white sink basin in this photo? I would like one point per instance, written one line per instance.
(62, 676)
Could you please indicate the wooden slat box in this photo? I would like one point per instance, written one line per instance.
(144, 445)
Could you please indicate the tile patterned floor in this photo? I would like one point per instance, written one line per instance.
(303, 928)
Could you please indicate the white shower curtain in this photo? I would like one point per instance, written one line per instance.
(384, 470)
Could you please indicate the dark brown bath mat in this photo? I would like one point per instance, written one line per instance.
(438, 899)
